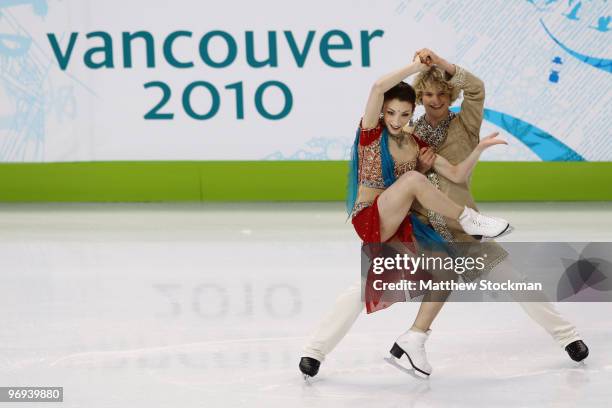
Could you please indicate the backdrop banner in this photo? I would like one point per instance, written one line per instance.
(269, 80)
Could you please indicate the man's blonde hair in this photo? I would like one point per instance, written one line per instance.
(433, 76)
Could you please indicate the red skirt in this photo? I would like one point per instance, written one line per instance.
(367, 226)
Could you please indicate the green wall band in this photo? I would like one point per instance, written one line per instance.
(278, 181)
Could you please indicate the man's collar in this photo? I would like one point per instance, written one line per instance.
(441, 123)
(433, 136)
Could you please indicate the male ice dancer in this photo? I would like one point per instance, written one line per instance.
(452, 136)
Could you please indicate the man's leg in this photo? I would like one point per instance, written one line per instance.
(543, 312)
(332, 328)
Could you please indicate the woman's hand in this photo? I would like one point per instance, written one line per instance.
(490, 140)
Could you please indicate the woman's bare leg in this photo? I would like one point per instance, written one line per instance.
(433, 301)
(426, 315)
(394, 203)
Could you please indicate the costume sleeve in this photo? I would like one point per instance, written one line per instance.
(367, 136)
(472, 107)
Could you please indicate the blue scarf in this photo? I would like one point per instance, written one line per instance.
(388, 166)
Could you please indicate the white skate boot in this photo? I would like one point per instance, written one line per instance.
(479, 226)
(412, 345)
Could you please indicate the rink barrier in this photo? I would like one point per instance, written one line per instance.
(278, 181)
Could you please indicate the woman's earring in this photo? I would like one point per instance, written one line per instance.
(382, 115)
(409, 128)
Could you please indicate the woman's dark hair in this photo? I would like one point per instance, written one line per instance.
(402, 91)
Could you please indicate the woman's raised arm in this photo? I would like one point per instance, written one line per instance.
(382, 85)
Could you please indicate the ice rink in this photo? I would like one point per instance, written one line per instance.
(209, 305)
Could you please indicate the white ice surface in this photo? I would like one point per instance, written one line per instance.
(191, 305)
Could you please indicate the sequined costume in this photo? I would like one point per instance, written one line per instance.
(365, 217)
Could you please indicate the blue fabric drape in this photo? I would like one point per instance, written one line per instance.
(388, 168)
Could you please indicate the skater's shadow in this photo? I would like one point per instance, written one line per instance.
(406, 394)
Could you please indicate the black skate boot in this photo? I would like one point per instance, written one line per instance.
(577, 350)
(309, 366)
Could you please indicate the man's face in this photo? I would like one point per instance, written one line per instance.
(436, 101)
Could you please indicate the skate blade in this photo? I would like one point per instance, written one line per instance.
(410, 371)
(505, 232)
(308, 380)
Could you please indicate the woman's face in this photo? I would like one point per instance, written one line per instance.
(397, 114)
